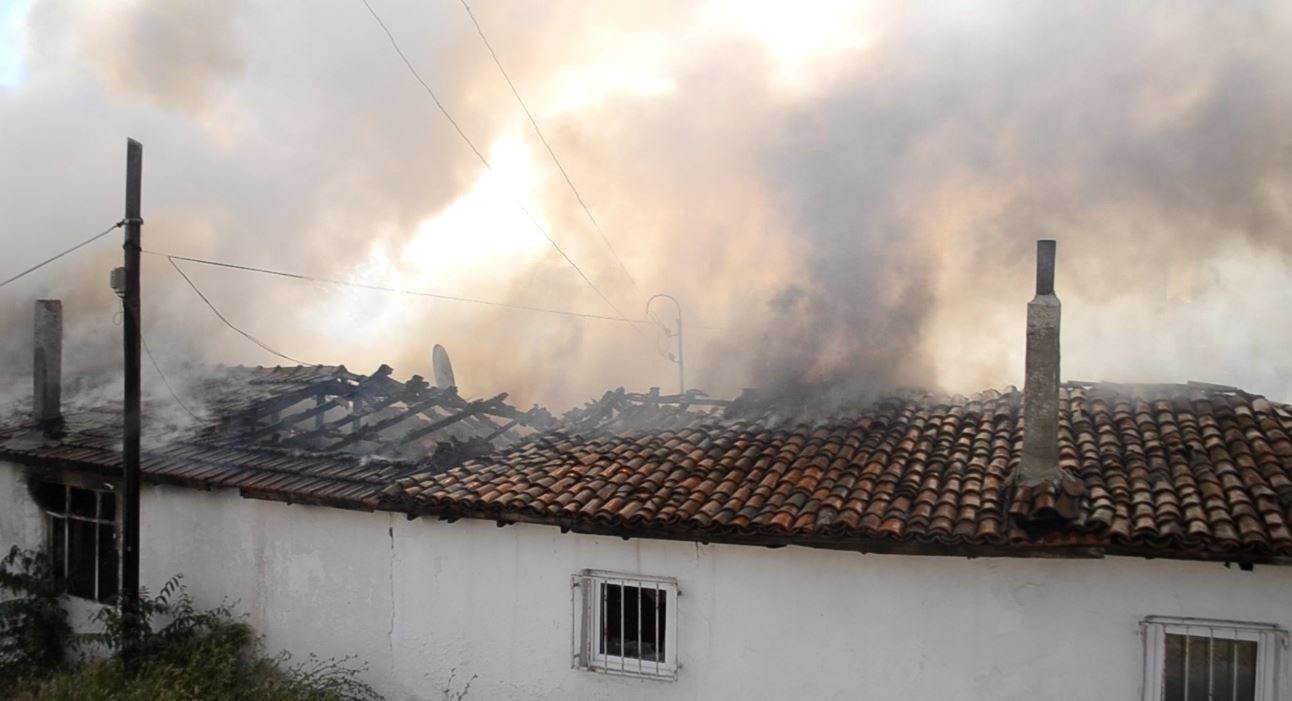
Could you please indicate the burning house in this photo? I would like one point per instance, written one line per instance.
(1072, 540)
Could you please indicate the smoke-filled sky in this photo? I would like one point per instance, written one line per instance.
(841, 194)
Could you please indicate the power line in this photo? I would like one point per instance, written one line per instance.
(394, 290)
(82, 244)
(411, 293)
(228, 323)
(144, 341)
(166, 382)
(456, 127)
(534, 123)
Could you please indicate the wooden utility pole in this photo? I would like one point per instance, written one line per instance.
(130, 448)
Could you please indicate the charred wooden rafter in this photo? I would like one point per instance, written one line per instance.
(277, 403)
(472, 409)
(434, 396)
(370, 406)
(362, 407)
(323, 406)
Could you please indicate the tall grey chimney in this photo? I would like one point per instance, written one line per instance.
(47, 365)
(1041, 379)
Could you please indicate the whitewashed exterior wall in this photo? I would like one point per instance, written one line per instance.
(417, 599)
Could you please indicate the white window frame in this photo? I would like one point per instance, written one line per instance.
(1270, 641)
(63, 512)
(586, 587)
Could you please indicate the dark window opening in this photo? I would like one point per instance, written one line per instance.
(1203, 668)
(633, 621)
(82, 534)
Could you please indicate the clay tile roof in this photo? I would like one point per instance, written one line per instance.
(1191, 471)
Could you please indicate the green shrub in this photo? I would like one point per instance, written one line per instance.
(34, 630)
(179, 653)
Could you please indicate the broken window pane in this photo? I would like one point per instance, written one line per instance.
(82, 502)
(57, 549)
(108, 571)
(82, 551)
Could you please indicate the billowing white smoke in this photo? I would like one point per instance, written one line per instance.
(850, 194)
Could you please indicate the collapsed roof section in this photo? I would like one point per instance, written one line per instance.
(328, 409)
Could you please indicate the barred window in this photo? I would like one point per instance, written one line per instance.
(1190, 659)
(626, 624)
(82, 532)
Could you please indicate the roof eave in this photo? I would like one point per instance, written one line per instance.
(880, 546)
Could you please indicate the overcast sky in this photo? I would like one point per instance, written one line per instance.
(843, 194)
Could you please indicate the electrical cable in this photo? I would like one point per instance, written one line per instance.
(393, 290)
(228, 323)
(411, 293)
(82, 244)
(116, 321)
(534, 123)
(444, 111)
(144, 342)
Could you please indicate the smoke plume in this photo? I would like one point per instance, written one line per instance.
(842, 198)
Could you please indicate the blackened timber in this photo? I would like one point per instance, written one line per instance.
(287, 399)
(322, 408)
(501, 430)
(412, 390)
(536, 418)
(476, 424)
(693, 397)
(437, 396)
(472, 409)
(595, 414)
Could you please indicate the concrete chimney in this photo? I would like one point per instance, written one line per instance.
(1041, 379)
(47, 365)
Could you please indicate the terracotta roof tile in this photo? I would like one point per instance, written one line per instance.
(1177, 470)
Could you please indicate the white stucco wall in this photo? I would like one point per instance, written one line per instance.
(417, 599)
(20, 519)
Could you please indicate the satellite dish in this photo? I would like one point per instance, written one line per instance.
(443, 368)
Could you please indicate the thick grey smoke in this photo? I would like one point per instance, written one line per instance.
(851, 198)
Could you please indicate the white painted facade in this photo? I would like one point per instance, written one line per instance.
(417, 599)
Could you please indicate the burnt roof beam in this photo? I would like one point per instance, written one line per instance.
(501, 430)
(437, 396)
(595, 414)
(534, 418)
(293, 419)
(472, 409)
(335, 426)
(282, 401)
(412, 389)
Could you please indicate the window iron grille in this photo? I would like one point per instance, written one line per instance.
(625, 624)
(1193, 659)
